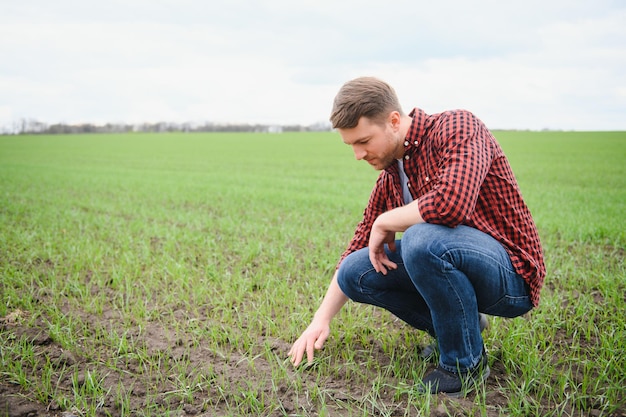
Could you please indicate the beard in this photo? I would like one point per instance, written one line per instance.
(384, 160)
(381, 163)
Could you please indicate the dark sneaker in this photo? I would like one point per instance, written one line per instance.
(429, 351)
(454, 384)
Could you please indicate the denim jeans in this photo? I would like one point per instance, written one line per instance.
(445, 277)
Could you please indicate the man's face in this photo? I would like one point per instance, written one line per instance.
(374, 143)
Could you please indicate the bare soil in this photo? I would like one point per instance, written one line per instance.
(142, 386)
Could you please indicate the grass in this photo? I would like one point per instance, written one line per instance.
(151, 274)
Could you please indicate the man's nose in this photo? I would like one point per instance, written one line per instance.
(359, 153)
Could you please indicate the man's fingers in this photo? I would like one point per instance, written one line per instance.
(310, 348)
(378, 267)
(296, 355)
(308, 343)
(319, 343)
(389, 264)
(382, 263)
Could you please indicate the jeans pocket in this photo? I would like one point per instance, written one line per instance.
(510, 307)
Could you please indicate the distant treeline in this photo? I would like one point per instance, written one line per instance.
(36, 127)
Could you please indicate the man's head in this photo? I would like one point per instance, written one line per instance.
(363, 97)
(367, 115)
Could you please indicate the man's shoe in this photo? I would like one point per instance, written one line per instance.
(429, 351)
(454, 384)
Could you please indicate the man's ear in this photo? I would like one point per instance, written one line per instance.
(394, 119)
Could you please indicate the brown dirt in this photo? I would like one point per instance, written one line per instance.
(229, 369)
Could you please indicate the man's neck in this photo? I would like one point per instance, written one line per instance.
(405, 125)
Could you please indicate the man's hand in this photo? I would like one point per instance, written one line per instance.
(378, 237)
(315, 335)
(384, 231)
(312, 339)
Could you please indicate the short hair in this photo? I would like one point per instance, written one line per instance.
(363, 97)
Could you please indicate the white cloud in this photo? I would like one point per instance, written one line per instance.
(524, 65)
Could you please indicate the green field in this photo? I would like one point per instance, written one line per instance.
(168, 274)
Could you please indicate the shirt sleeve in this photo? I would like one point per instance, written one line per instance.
(378, 203)
(464, 157)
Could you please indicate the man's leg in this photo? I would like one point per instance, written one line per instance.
(459, 272)
(394, 292)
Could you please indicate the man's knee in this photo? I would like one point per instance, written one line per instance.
(349, 272)
(419, 240)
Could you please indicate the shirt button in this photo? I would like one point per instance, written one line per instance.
(427, 179)
(406, 157)
(406, 143)
(416, 142)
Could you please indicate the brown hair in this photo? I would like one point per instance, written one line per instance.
(363, 97)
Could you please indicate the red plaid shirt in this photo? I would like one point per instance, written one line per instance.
(460, 175)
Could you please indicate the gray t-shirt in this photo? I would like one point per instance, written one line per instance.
(404, 180)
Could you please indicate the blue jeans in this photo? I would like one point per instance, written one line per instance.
(445, 277)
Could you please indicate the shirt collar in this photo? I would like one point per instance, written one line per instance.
(417, 131)
(414, 136)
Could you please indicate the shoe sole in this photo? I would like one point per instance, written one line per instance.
(484, 375)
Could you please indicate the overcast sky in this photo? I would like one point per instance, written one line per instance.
(531, 64)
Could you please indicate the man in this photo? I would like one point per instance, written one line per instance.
(469, 246)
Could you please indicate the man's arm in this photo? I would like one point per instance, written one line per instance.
(384, 231)
(379, 201)
(463, 144)
(315, 335)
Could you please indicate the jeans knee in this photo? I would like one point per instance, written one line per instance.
(416, 241)
(347, 276)
(423, 253)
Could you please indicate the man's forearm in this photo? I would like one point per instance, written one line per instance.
(400, 218)
(333, 301)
